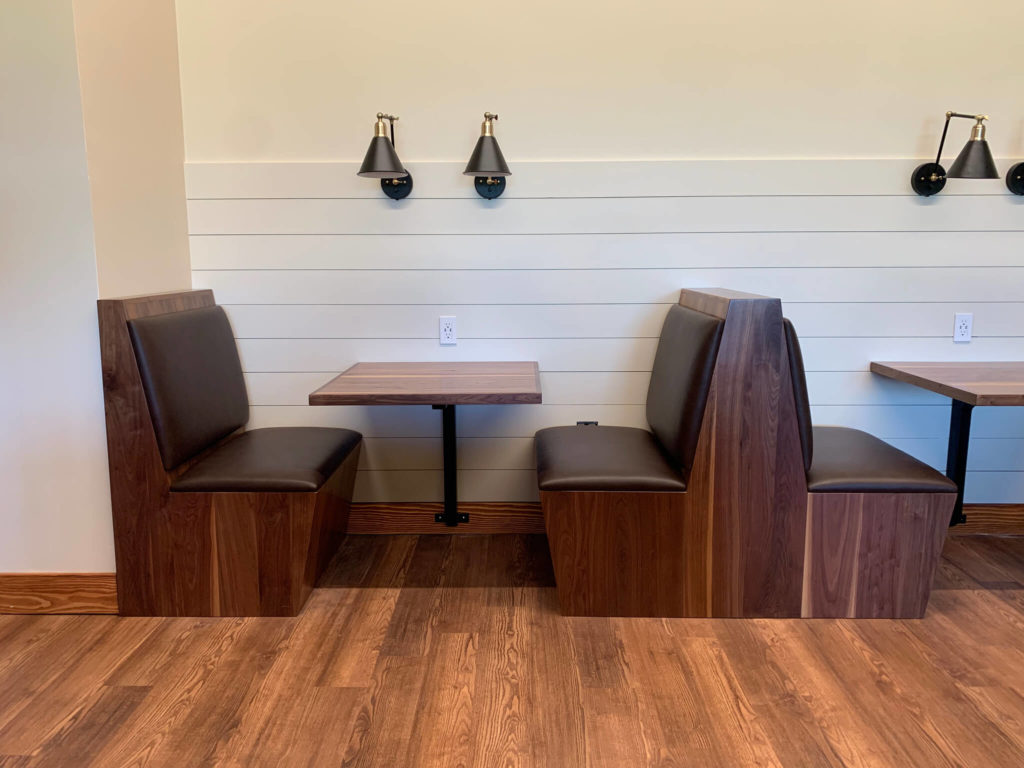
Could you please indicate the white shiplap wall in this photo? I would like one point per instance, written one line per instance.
(576, 265)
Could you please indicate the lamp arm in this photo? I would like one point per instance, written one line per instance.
(945, 128)
(942, 141)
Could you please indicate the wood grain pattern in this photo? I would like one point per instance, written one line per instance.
(455, 383)
(201, 554)
(410, 517)
(738, 527)
(497, 677)
(629, 554)
(872, 555)
(976, 383)
(58, 593)
(999, 519)
(758, 498)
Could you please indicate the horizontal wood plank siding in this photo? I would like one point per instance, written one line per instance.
(576, 265)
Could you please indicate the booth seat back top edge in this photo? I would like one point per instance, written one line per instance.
(192, 377)
(681, 380)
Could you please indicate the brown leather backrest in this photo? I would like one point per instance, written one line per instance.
(192, 377)
(803, 402)
(680, 381)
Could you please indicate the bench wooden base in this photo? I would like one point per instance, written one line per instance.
(872, 555)
(234, 554)
(628, 554)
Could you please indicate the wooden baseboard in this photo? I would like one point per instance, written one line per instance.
(995, 519)
(58, 593)
(484, 517)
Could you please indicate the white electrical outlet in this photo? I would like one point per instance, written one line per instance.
(446, 330)
(962, 324)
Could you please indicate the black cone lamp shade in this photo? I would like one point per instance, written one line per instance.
(381, 161)
(487, 165)
(974, 161)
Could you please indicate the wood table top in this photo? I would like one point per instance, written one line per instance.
(468, 383)
(973, 383)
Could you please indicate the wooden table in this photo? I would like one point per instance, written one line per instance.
(968, 384)
(441, 385)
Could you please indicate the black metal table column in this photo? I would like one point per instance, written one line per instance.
(451, 515)
(956, 455)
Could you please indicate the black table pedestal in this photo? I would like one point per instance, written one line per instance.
(451, 516)
(956, 455)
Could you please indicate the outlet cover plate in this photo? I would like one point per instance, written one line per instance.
(446, 334)
(963, 325)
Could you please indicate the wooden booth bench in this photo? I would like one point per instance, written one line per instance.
(210, 519)
(731, 505)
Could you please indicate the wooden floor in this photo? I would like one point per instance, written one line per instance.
(449, 651)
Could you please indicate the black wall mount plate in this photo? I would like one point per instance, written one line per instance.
(1015, 179)
(489, 187)
(399, 190)
(922, 180)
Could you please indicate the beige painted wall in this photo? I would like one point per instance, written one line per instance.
(55, 510)
(131, 100)
(597, 79)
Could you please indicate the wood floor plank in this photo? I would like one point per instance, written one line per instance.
(383, 726)
(85, 731)
(416, 610)
(677, 727)
(57, 691)
(552, 691)
(967, 737)
(794, 732)
(160, 718)
(427, 651)
(443, 730)
(213, 715)
(501, 734)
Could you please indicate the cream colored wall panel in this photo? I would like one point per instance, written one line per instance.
(576, 266)
(942, 284)
(659, 178)
(994, 487)
(400, 421)
(865, 388)
(919, 318)
(895, 422)
(420, 453)
(579, 79)
(985, 455)
(599, 251)
(608, 215)
(856, 354)
(335, 355)
(934, 319)
(497, 321)
(485, 485)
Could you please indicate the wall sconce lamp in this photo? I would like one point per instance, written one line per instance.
(487, 164)
(381, 161)
(974, 161)
(1015, 179)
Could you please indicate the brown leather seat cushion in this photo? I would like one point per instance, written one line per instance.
(850, 461)
(598, 458)
(680, 381)
(193, 379)
(272, 459)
